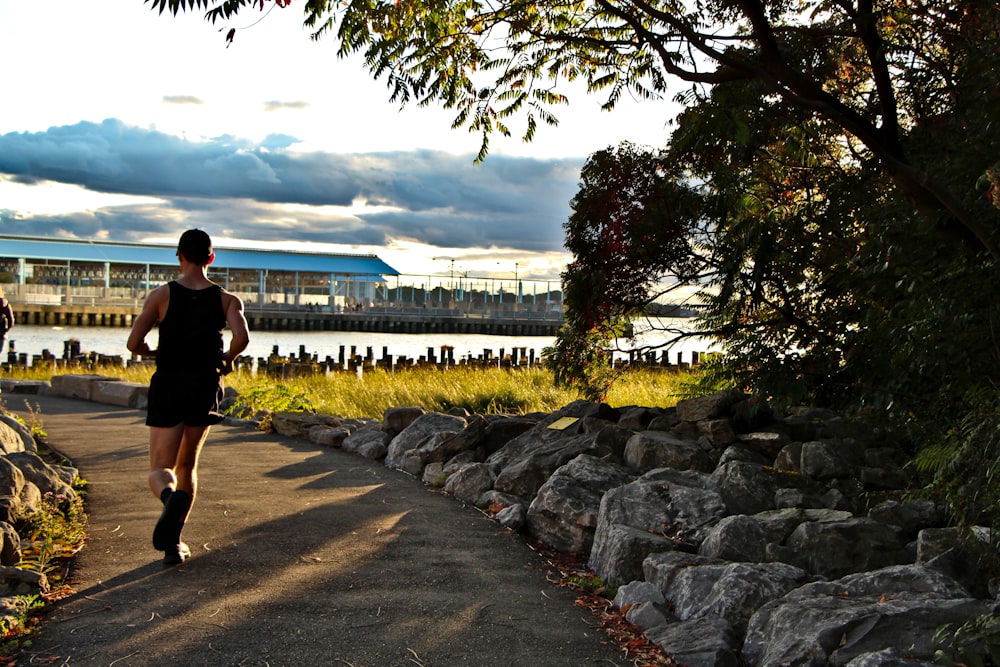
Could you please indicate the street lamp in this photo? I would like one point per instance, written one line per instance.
(451, 271)
(451, 274)
(517, 287)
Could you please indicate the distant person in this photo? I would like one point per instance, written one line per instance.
(185, 390)
(6, 319)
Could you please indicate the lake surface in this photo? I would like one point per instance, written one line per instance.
(31, 340)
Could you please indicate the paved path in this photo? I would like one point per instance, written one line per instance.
(302, 556)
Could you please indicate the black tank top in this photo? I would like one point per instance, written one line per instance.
(191, 331)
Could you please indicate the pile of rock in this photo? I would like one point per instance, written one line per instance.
(25, 479)
(733, 536)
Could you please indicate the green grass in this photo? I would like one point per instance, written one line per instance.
(493, 390)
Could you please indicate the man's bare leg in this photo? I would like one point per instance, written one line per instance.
(164, 445)
(173, 478)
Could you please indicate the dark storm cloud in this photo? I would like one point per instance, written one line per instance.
(232, 184)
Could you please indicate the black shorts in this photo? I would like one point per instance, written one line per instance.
(184, 399)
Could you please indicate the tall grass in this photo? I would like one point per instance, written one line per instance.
(369, 394)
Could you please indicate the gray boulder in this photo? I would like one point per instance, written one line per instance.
(958, 555)
(838, 621)
(748, 488)
(649, 450)
(789, 458)
(638, 418)
(10, 440)
(778, 524)
(701, 642)
(739, 452)
(11, 478)
(17, 581)
(328, 436)
(10, 545)
(796, 498)
(524, 474)
(485, 434)
(712, 406)
(732, 591)
(834, 549)
(367, 442)
(470, 482)
(718, 431)
(636, 593)
(911, 517)
(48, 478)
(766, 443)
(663, 510)
(895, 656)
(565, 423)
(496, 501)
(664, 422)
(737, 538)
(433, 475)
(564, 513)
(512, 516)
(825, 460)
(30, 499)
(660, 569)
(23, 431)
(12, 485)
(411, 448)
(394, 420)
(298, 424)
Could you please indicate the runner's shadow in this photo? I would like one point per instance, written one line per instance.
(147, 571)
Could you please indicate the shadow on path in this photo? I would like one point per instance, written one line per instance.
(302, 556)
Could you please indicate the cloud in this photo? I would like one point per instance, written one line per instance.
(275, 105)
(266, 191)
(277, 141)
(182, 99)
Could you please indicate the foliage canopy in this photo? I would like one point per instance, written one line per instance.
(831, 185)
(871, 68)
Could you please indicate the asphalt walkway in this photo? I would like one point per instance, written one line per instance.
(301, 556)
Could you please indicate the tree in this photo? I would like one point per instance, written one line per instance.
(825, 285)
(633, 227)
(836, 167)
(872, 68)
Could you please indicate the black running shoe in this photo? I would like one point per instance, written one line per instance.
(167, 533)
(177, 554)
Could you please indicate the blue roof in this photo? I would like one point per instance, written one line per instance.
(166, 255)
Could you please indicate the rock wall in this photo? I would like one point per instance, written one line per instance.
(25, 480)
(733, 536)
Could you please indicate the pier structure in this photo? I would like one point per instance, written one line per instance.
(374, 320)
(56, 282)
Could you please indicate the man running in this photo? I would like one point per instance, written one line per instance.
(185, 390)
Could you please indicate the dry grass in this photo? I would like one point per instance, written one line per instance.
(494, 390)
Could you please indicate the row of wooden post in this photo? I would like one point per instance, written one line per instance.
(349, 358)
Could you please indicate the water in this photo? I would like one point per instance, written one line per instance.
(31, 340)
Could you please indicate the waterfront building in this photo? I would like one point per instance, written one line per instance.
(80, 272)
(103, 283)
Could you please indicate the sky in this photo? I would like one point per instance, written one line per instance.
(121, 124)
